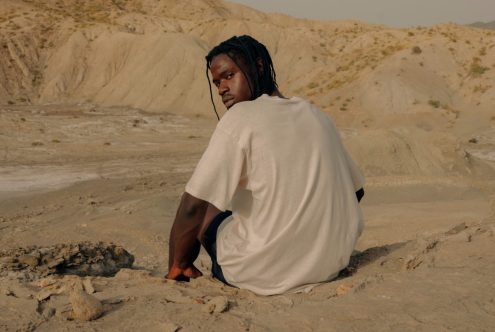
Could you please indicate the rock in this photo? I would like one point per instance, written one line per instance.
(48, 313)
(46, 293)
(198, 300)
(170, 327)
(85, 307)
(457, 229)
(88, 286)
(45, 282)
(176, 296)
(29, 260)
(344, 289)
(73, 283)
(82, 259)
(217, 304)
(7, 292)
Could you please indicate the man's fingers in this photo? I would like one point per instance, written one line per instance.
(183, 274)
(192, 272)
(174, 273)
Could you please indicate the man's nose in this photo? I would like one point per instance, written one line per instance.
(222, 88)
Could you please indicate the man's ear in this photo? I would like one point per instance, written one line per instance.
(259, 66)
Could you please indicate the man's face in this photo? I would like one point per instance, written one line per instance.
(230, 81)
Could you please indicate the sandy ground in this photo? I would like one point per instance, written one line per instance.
(69, 174)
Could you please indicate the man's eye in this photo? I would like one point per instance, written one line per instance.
(229, 76)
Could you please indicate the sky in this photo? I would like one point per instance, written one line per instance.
(396, 13)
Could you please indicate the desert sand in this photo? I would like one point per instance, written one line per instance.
(105, 111)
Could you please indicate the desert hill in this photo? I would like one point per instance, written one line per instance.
(483, 25)
(150, 55)
(71, 51)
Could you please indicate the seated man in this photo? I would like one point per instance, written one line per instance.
(279, 164)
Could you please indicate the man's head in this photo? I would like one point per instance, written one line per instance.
(241, 69)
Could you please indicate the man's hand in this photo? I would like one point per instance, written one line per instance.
(180, 274)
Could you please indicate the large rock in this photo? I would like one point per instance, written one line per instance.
(85, 307)
(83, 259)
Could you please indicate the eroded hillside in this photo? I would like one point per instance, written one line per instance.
(431, 88)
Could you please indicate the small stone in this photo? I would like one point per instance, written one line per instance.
(198, 300)
(8, 292)
(217, 304)
(45, 282)
(88, 286)
(48, 313)
(170, 327)
(73, 283)
(53, 263)
(29, 260)
(85, 307)
(114, 300)
(46, 293)
(343, 289)
(457, 229)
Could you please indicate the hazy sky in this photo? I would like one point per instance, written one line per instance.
(398, 13)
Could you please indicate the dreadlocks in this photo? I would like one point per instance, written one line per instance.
(246, 51)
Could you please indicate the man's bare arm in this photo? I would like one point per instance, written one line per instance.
(184, 245)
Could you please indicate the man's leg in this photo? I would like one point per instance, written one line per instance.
(208, 238)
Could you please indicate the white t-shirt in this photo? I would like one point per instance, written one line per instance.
(280, 165)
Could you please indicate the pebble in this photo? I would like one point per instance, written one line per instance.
(29, 260)
(46, 293)
(88, 286)
(170, 327)
(48, 313)
(217, 304)
(344, 289)
(85, 307)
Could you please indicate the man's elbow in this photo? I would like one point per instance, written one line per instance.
(192, 206)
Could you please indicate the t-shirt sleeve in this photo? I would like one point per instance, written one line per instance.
(356, 175)
(219, 170)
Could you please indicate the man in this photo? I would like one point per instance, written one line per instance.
(281, 168)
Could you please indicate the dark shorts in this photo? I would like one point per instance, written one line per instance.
(210, 244)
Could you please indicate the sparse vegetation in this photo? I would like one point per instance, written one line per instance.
(476, 68)
(416, 50)
(481, 88)
(434, 103)
(312, 85)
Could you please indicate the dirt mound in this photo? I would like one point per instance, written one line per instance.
(83, 259)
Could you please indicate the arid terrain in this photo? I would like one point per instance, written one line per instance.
(105, 111)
